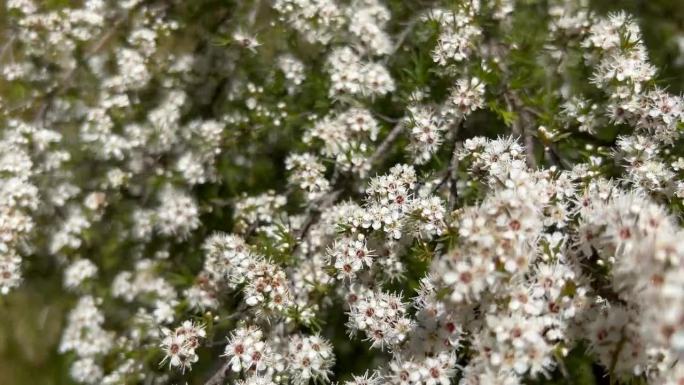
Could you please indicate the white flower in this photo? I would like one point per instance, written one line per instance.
(79, 271)
(179, 345)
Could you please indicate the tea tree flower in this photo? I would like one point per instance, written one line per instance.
(472, 192)
(180, 344)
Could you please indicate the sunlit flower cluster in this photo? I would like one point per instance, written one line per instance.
(260, 195)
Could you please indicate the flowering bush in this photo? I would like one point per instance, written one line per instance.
(364, 191)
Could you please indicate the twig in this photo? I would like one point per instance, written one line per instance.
(401, 38)
(384, 147)
(561, 365)
(220, 375)
(312, 214)
(453, 166)
(7, 46)
(529, 149)
(451, 172)
(555, 157)
(453, 177)
(386, 118)
(513, 103)
(251, 18)
(442, 181)
(616, 355)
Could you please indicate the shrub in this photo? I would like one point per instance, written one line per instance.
(371, 192)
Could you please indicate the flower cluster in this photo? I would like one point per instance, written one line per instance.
(352, 75)
(85, 336)
(426, 132)
(459, 35)
(349, 256)
(301, 358)
(308, 175)
(422, 193)
(246, 350)
(179, 345)
(346, 137)
(382, 317)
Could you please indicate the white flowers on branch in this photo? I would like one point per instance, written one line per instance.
(18, 196)
(180, 344)
(197, 198)
(308, 174)
(458, 37)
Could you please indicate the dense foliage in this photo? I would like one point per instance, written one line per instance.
(364, 191)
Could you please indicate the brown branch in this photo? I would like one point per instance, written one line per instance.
(616, 355)
(401, 37)
(555, 157)
(453, 177)
(7, 46)
(521, 124)
(529, 149)
(384, 147)
(313, 214)
(453, 166)
(220, 375)
(251, 17)
(451, 172)
(514, 104)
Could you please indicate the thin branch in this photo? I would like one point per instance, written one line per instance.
(529, 149)
(453, 166)
(404, 34)
(312, 215)
(445, 178)
(453, 177)
(382, 150)
(220, 375)
(451, 172)
(616, 356)
(555, 157)
(386, 118)
(251, 17)
(520, 125)
(7, 46)
(401, 38)
(514, 104)
(563, 368)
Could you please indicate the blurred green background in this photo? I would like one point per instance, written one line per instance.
(32, 316)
